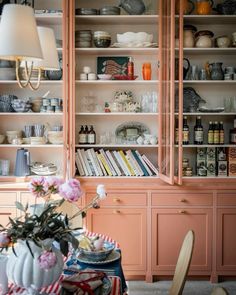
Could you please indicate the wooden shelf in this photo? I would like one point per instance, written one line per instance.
(116, 19)
(116, 146)
(42, 82)
(31, 145)
(211, 19)
(115, 82)
(198, 51)
(52, 19)
(117, 114)
(206, 145)
(208, 114)
(209, 82)
(117, 51)
(116, 177)
(32, 114)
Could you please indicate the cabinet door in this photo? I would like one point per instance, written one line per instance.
(167, 90)
(128, 228)
(169, 227)
(5, 213)
(226, 239)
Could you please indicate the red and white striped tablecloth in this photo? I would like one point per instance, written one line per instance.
(56, 287)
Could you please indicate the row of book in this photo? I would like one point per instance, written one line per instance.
(113, 163)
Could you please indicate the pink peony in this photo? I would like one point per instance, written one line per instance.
(4, 240)
(52, 184)
(36, 187)
(47, 260)
(71, 190)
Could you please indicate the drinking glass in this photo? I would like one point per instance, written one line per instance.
(5, 167)
(228, 104)
(147, 71)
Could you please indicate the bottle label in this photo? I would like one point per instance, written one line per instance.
(199, 135)
(222, 137)
(91, 138)
(82, 138)
(233, 138)
(185, 136)
(210, 137)
(176, 136)
(216, 137)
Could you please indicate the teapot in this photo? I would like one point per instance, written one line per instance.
(133, 6)
(185, 69)
(22, 165)
(188, 6)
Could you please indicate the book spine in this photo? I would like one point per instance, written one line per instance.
(127, 163)
(121, 162)
(108, 162)
(83, 162)
(149, 163)
(140, 163)
(103, 160)
(132, 164)
(135, 163)
(117, 163)
(90, 163)
(144, 164)
(79, 165)
(96, 162)
(113, 163)
(93, 162)
(101, 165)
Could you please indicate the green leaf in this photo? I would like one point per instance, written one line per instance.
(26, 206)
(19, 206)
(64, 247)
(27, 243)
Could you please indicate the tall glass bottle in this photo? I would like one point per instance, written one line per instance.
(198, 131)
(185, 131)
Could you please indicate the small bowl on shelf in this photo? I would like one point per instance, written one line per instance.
(2, 138)
(55, 137)
(104, 76)
(21, 105)
(101, 39)
(37, 140)
(36, 103)
(110, 10)
(13, 134)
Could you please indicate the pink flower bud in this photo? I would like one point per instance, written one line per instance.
(47, 260)
(4, 240)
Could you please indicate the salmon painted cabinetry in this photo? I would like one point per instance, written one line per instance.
(123, 216)
(226, 241)
(7, 206)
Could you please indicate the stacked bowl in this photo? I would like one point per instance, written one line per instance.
(83, 38)
(109, 10)
(102, 39)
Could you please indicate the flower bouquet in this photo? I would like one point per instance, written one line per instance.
(38, 239)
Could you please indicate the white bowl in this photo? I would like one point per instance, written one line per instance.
(104, 77)
(134, 37)
(13, 134)
(55, 137)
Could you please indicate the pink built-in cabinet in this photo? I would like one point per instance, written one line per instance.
(148, 216)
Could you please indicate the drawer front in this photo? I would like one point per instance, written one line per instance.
(122, 199)
(226, 199)
(184, 199)
(5, 213)
(8, 198)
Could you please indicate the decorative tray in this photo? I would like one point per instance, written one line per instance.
(112, 257)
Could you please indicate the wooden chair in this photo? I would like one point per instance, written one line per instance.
(219, 291)
(183, 263)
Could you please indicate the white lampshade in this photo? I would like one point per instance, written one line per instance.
(18, 34)
(49, 49)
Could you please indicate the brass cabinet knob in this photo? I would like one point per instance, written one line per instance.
(116, 212)
(116, 200)
(182, 211)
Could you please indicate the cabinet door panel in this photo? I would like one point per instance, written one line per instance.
(226, 239)
(8, 198)
(5, 213)
(128, 228)
(226, 199)
(169, 226)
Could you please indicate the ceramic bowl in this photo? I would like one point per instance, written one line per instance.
(36, 103)
(21, 105)
(104, 77)
(98, 255)
(109, 10)
(86, 11)
(26, 140)
(37, 140)
(134, 37)
(2, 138)
(55, 137)
(13, 134)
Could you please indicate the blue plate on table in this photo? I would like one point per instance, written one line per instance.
(110, 258)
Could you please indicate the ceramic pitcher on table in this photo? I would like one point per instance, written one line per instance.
(188, 6)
